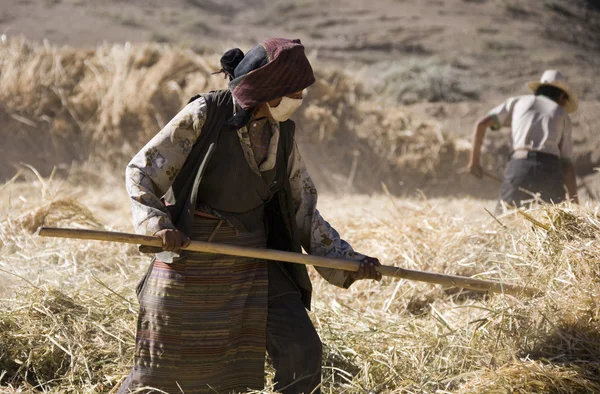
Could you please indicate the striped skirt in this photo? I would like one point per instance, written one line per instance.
(202, 320)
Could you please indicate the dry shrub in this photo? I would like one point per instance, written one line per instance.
(417, 80)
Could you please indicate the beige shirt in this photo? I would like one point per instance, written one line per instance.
(538, 124)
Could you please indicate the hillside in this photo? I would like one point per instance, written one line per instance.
(474, 38)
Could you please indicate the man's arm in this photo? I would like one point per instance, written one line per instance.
(479, 131)
(570, 180)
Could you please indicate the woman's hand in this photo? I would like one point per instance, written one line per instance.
(173, 240)
(367, 269)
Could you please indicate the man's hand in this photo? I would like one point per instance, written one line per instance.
(475, 169)
(367, 270)
(173, 240)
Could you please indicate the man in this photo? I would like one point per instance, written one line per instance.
(541, 140)
(228, 171)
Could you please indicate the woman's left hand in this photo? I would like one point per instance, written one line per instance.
(367, 269)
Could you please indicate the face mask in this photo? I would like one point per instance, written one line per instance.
(285, 109)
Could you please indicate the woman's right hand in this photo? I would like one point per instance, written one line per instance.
(173, 240)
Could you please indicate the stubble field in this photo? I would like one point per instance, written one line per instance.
(68, 307)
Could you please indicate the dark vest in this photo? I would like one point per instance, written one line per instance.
(242, 197)
(217, 174)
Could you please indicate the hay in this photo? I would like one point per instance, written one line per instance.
(103, 104)
(67, 316)
(68, 309)
(409, 337)
(53, 214)
(55, 339)
(70, 329)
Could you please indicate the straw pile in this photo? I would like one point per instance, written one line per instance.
(103, 104)
(68, 319)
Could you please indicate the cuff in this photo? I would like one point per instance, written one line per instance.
(348, 282)
(154, 224)
(496, 126)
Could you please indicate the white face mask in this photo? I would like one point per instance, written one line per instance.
(285, 109)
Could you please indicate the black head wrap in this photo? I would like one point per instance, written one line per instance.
(229, 61)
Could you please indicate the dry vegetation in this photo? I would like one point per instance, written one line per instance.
(68, 317)
(67, 308)
(103, 105)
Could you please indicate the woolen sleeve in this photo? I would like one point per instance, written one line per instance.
(317, 236)
(153, 169)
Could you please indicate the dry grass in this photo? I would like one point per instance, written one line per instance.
(68, 321)
(65, 324)
(102, 103)
(409, 337)
(69, 105)
(68, 308)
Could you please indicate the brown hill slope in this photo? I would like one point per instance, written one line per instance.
(499, 41)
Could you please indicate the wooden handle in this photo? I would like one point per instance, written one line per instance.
(493, 177)
(290, 257)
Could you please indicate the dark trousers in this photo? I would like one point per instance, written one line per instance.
(539, 173)
(292, 341)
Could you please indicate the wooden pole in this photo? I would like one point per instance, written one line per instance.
(500, 181)
(290, 257)
(493, 177)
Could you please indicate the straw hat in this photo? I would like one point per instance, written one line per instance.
(556, 79)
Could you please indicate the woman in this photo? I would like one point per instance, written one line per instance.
(227, 169)
(541, 139)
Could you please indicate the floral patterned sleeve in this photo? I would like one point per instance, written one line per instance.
(153, 169)
(316, 234)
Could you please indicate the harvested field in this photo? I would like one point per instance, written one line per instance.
(68, 314)
(384, 132)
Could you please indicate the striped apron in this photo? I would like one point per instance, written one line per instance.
(202, 320)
